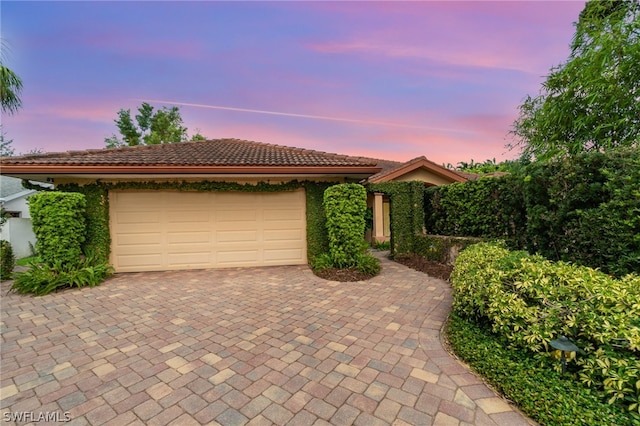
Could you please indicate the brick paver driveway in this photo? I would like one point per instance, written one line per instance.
(240, 346)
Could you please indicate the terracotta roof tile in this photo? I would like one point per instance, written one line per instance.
(217, 152)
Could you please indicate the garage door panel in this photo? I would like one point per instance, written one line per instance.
(143, 262)
(241, 215)
(202, 259)
(191, 237)
(188, 216)
(282, 214)
(292, 235)
(284, 254)
(237, 257)
(139, 239)
(138, 217)
(132, 200)
(165, 230)
(249, 235)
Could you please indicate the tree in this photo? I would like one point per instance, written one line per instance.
(10, 89)
(6, 145)
(149, 127)
(592, 101)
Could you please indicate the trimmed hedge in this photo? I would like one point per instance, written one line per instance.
(586, 210)
(529, 301)
(345, 206)
(58, 220)
(490, 208)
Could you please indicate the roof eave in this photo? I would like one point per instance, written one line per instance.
(10, 169)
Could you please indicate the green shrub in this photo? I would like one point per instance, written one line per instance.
(539, 391)
(529, 301)
(7, 260)
(322, 262)
(41, 278)
(490, 208)
(368, 264)
(345, 206)
(382, 245)
(585, 211)
(58, 220)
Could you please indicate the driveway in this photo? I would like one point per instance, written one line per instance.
(271, 345)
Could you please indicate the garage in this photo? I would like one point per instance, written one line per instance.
(172, 230)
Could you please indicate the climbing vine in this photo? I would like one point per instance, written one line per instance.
(97, 194)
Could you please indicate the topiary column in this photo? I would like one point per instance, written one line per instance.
(59, 224)
(345, 206)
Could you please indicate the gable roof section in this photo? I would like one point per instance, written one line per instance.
(392, 173)
(11, 189)
(211, 156)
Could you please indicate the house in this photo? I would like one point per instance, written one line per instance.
(210, 204)
(17, 230)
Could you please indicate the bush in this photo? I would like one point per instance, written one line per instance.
(7, 260)
(58, 220)
(345, 206)
(41, 278)
(538, 390)
(368, 264)
(529, 301)
(585, 211)
(491, 208)
(382, 245)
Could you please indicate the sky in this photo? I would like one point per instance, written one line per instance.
(390, 80)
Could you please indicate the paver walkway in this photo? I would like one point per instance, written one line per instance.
(240, 346)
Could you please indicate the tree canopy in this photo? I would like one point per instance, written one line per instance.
(591, 102)
(10, 88)
(149, 127)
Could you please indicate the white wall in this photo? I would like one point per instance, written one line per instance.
(19, 233)
(18, 205)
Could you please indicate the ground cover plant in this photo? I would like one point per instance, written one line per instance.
(536, 388)
(524, 301)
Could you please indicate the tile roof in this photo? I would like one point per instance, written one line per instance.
(217, 152)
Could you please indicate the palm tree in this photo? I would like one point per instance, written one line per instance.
(10, 88)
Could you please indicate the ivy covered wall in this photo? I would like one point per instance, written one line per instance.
(97, 194)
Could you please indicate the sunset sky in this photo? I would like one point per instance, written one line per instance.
(392, 80)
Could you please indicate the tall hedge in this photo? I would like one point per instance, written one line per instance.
(488, 208)
(586, 210)
(345, 206)
(59, 224)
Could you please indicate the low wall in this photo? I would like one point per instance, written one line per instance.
(442, 248)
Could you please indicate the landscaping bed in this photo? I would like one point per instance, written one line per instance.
(343, 275)
(422, 264)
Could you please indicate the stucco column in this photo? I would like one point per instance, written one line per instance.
(378, 217)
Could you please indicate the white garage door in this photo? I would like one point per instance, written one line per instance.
(167, 230)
